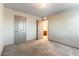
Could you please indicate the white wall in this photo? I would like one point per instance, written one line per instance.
(64, 27)
(9, 25)
(1, 27)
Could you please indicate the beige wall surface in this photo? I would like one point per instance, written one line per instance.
(1, 27)
(64, 27)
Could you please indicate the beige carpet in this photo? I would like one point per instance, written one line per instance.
(32, 48)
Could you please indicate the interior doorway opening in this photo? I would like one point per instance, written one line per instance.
(42, 29)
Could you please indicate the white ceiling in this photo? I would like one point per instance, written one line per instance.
(35, 9)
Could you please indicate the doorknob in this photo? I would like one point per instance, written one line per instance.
(16, 31)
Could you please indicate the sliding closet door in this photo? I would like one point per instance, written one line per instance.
(20, 29)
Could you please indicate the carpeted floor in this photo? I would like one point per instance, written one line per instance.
(39, 48)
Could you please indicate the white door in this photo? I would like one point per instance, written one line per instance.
(20, 29)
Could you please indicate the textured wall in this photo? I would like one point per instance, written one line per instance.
(64, 27)
(1, 27)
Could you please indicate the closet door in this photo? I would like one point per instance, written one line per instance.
(20, 29)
